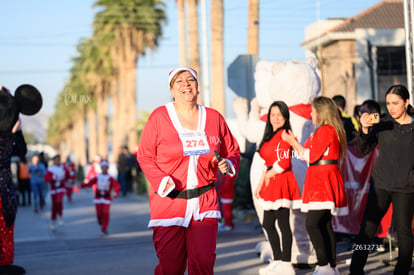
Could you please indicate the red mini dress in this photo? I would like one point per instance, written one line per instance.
(282, 190)
(324, 185)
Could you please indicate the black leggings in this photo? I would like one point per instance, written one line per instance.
(377, 205)
(282, 217)
(319, 226)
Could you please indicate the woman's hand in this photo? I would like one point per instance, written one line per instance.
(365, 121)
(259, 186)
(16, 126)
(288, 136)
(223, 166)
(269, 174)
(168, 185)
(257, 192)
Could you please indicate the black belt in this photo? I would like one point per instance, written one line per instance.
(324, 162)
(268, 168)
(190, 193)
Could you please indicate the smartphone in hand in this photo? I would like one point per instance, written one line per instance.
(218, 157)
(374, 118)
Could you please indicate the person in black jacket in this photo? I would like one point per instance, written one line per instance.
(392, 178)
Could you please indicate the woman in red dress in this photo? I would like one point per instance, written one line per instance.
(277, 190)
(323, 191)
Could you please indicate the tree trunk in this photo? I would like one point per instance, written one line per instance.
(217, 57)
(92, 133)
(102, 112)
(193, 42)
(116, 135)
(80, 141)
(253, 28)
(181, 33)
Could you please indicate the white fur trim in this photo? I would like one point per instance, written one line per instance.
(277, 168)
(306, 155)
(181, 221)
(233, 171)
(328, 205)
(226, 201)
(274, 205)
(162, 186)
(176, 70)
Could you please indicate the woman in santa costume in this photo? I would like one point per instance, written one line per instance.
(70, 182)
(176, 153)
(106, 188)
(56, 175)
(94, 168)
(277, 191)
(225, 191)
(28, 101)
(323, 192)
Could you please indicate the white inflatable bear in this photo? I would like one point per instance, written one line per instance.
(296, 83)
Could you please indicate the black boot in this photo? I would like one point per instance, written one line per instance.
(12, 270)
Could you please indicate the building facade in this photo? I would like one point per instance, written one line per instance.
(361, 56)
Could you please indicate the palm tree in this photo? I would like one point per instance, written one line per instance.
(217, 56)
(133, 26)
(253, 28)
(193, 40)
(182, 32)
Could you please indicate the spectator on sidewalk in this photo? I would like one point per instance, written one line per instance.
(392, 178)
(124, 170)
(23, 181)
(350, 123)
(277, 191)
(323, 193)
(45, 160)
(37, 171)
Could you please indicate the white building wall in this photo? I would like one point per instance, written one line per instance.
(377, 37)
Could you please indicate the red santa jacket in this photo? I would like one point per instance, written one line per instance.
(161, 157)
(104, 186)
(324, 186)
(56, 176)
(70, 166)
(93, 171)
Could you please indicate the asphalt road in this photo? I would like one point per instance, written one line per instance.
(78, 247)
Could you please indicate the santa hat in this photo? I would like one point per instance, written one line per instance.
(26, 100)
(97, 158)
(104, 163)
(180, 69)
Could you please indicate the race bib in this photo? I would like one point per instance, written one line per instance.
(194, 143)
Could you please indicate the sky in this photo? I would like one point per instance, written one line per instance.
(38, 41)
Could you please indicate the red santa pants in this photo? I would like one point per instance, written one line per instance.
(6, 242)
(226, 194)
(175, 244)
(57, 204)
(69, 192)
(102, 214)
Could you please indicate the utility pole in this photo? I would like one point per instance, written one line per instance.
(409, 26)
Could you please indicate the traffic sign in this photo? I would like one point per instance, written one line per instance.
(240, 75)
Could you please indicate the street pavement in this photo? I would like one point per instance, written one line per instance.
(78, 246)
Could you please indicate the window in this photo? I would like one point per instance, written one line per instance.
(391, 61)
